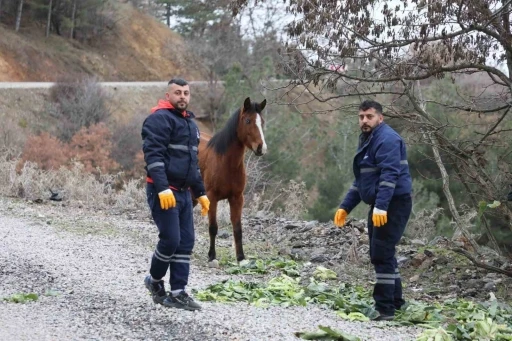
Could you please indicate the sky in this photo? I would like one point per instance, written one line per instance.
(377, 16)
(281, 18)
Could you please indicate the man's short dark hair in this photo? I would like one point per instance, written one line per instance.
(368, 104)
(178, 81)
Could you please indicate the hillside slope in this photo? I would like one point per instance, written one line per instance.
(137, 48)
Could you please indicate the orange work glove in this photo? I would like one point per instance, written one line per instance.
(379, 217)
(167, 199)
(205, 204)
(339, 217)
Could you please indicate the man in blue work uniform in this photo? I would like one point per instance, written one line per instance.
(170, 145)
(383, 181)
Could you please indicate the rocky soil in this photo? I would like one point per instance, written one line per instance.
(429, 270)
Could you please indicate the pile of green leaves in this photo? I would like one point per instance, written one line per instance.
(449, 320)
(264, 266)
(282, 265)
(287, 291)
(452, 320)
(283, 290)
(461, 320)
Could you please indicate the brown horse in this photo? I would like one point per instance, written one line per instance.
(222, 166)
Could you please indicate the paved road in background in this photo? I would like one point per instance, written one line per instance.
(44, 85)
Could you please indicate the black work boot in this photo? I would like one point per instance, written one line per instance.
(382, 317)
(182, 301)
(157, 289)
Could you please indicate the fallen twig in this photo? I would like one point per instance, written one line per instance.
(481, 264)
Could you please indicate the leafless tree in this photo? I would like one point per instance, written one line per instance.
(338, 49)
(76, 104)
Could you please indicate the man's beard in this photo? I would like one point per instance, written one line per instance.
(181, 105)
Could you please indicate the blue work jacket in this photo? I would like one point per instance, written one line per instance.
(170, 145)
(380, 168)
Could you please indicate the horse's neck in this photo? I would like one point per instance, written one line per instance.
(235, 155)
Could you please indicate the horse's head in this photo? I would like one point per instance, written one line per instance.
(250, 126)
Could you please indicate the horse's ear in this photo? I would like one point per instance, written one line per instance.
(262, 105)
(247, 104)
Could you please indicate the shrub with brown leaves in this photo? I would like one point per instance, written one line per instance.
(92, 147)
(47, 151)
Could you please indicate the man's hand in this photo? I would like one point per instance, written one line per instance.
(379, 217)
(205, 204)
(339, 217)
(167, 199)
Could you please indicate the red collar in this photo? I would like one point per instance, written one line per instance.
(163, 104)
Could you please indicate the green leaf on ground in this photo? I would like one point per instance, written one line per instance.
(22, 298)
(327, 333)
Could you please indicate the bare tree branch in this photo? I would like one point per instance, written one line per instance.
(481, 264)
(490, 131)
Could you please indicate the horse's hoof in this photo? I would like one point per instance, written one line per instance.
(213, 264)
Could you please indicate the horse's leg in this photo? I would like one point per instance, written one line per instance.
(236, 204)
(213, 228)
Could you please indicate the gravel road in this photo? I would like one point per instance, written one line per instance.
(88, 270)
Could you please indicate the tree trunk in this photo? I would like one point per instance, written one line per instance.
(18, 15)
(48, 22)
(212, 85)
(168, 14)
(73, 16)
(506, 25)
(460, 229)
(430, 137)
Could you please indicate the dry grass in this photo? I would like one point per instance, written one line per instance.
(287, 201)
(77, 187)
(80, 188)
(423, 225)
(12, 134)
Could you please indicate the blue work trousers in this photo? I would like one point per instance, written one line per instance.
(387, 292)
(176, 237)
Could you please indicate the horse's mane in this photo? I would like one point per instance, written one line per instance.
(226, 136)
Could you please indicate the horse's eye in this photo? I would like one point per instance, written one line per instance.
(247, 121)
